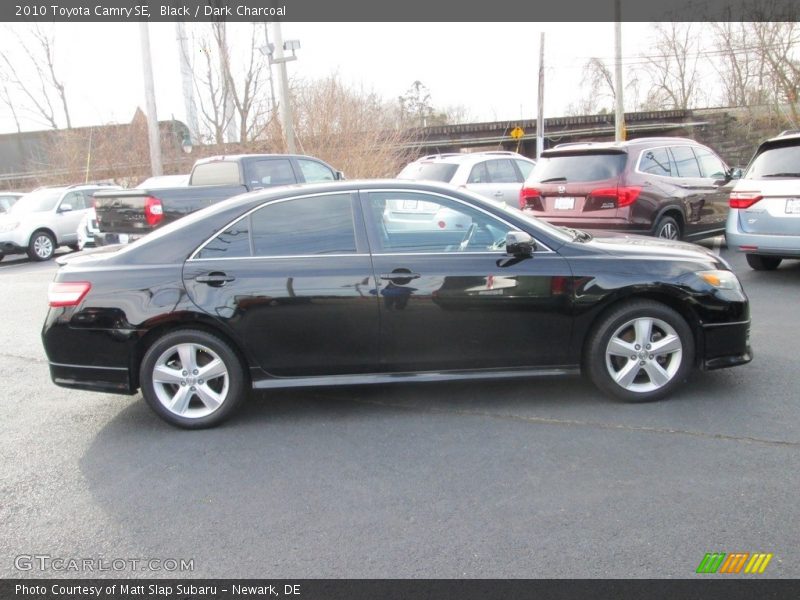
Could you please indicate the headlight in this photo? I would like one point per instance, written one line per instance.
(8, 226)
(722, 280)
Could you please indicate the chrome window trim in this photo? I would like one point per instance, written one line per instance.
(476, 207)
(193, 256)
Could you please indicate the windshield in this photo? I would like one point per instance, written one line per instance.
(778, 161)
(39, 201)
(429, 171)
(578, 167)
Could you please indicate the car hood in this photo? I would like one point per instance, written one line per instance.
(627, 245)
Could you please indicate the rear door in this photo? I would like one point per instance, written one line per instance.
(497, 179)
(293, 280)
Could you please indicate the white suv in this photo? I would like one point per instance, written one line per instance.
(764, 217)
(46, 218)
(497, 176)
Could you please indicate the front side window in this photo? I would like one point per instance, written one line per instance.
(502, 171)
(407, 222)
(271, 172)
(315, 225)
(314, 171)
(686, 162)
(710, 165)
(479, 174)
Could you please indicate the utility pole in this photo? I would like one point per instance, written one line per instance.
(619, 111)
(150, 100)
(269, 64)
(284, 108)
(540, 101)
(187, 83)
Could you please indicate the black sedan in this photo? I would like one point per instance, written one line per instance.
(377, 282)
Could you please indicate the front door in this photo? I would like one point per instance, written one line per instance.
(450, 298)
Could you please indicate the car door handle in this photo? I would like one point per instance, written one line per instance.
(498, 193)
(216, 279)
(402, 275)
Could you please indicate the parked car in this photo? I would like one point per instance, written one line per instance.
(7, 199)
(46, 218)
(130, 214)
(764, 220)
(306, 286)
(668, 187)
(497, 175)
(88, 228)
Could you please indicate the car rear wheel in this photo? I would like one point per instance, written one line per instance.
(668, 228)
(192, 379)
(42, 246)
(640, 351)
(763, 263)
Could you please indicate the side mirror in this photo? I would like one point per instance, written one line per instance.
(520, 244)
(65, 208)
(735, 173)
(340, 176)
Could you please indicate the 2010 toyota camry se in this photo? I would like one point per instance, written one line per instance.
(378, 282)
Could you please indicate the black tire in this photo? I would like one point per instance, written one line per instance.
(196, 413)
(668, 228)
(75, 247)
(600, 360)
(763, 263)
(41, 246)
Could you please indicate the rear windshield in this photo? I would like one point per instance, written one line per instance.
(220, 172)
(578, 167)
(429, 171)
(778, 161)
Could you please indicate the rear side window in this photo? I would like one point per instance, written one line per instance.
(686, 162)
(579, 167)
(655, 162)
(303, 226)
(276, 171)
(222, 172)
(777, 161)
(429, 171)
(478, 174)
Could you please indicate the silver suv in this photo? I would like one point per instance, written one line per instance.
(764, 217)
(46, 218)
(496, 175)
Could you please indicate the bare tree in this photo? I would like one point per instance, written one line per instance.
(599, 90)
(231, 87)
(672, 65)
(350, 128)
(40, 94)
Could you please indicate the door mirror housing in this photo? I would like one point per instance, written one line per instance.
(65, 208)
(339, 176)
(735, 173)
(520, 244)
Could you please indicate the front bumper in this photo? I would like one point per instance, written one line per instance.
(726, 345)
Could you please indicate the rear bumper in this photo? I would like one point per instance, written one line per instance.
(96, 379)
(759, 243)
(103, 238)
(726, 345)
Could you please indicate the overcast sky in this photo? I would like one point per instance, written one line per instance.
(490, 68)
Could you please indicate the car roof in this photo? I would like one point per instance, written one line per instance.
(621, 146)
(464, 157)
(237, 157)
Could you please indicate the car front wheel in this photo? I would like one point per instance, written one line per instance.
(192, 379)
(42, 246)
(640, 351)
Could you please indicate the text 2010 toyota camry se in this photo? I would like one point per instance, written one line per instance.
(378, 282)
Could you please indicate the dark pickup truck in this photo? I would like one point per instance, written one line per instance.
(125, 215)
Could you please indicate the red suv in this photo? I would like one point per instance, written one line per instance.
(667, 187)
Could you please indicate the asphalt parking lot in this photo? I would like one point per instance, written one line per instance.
(531, 478)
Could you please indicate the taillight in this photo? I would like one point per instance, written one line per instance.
(528, 193)
(67, 293)
(153, 211)
(743, 199)
(624, 195)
